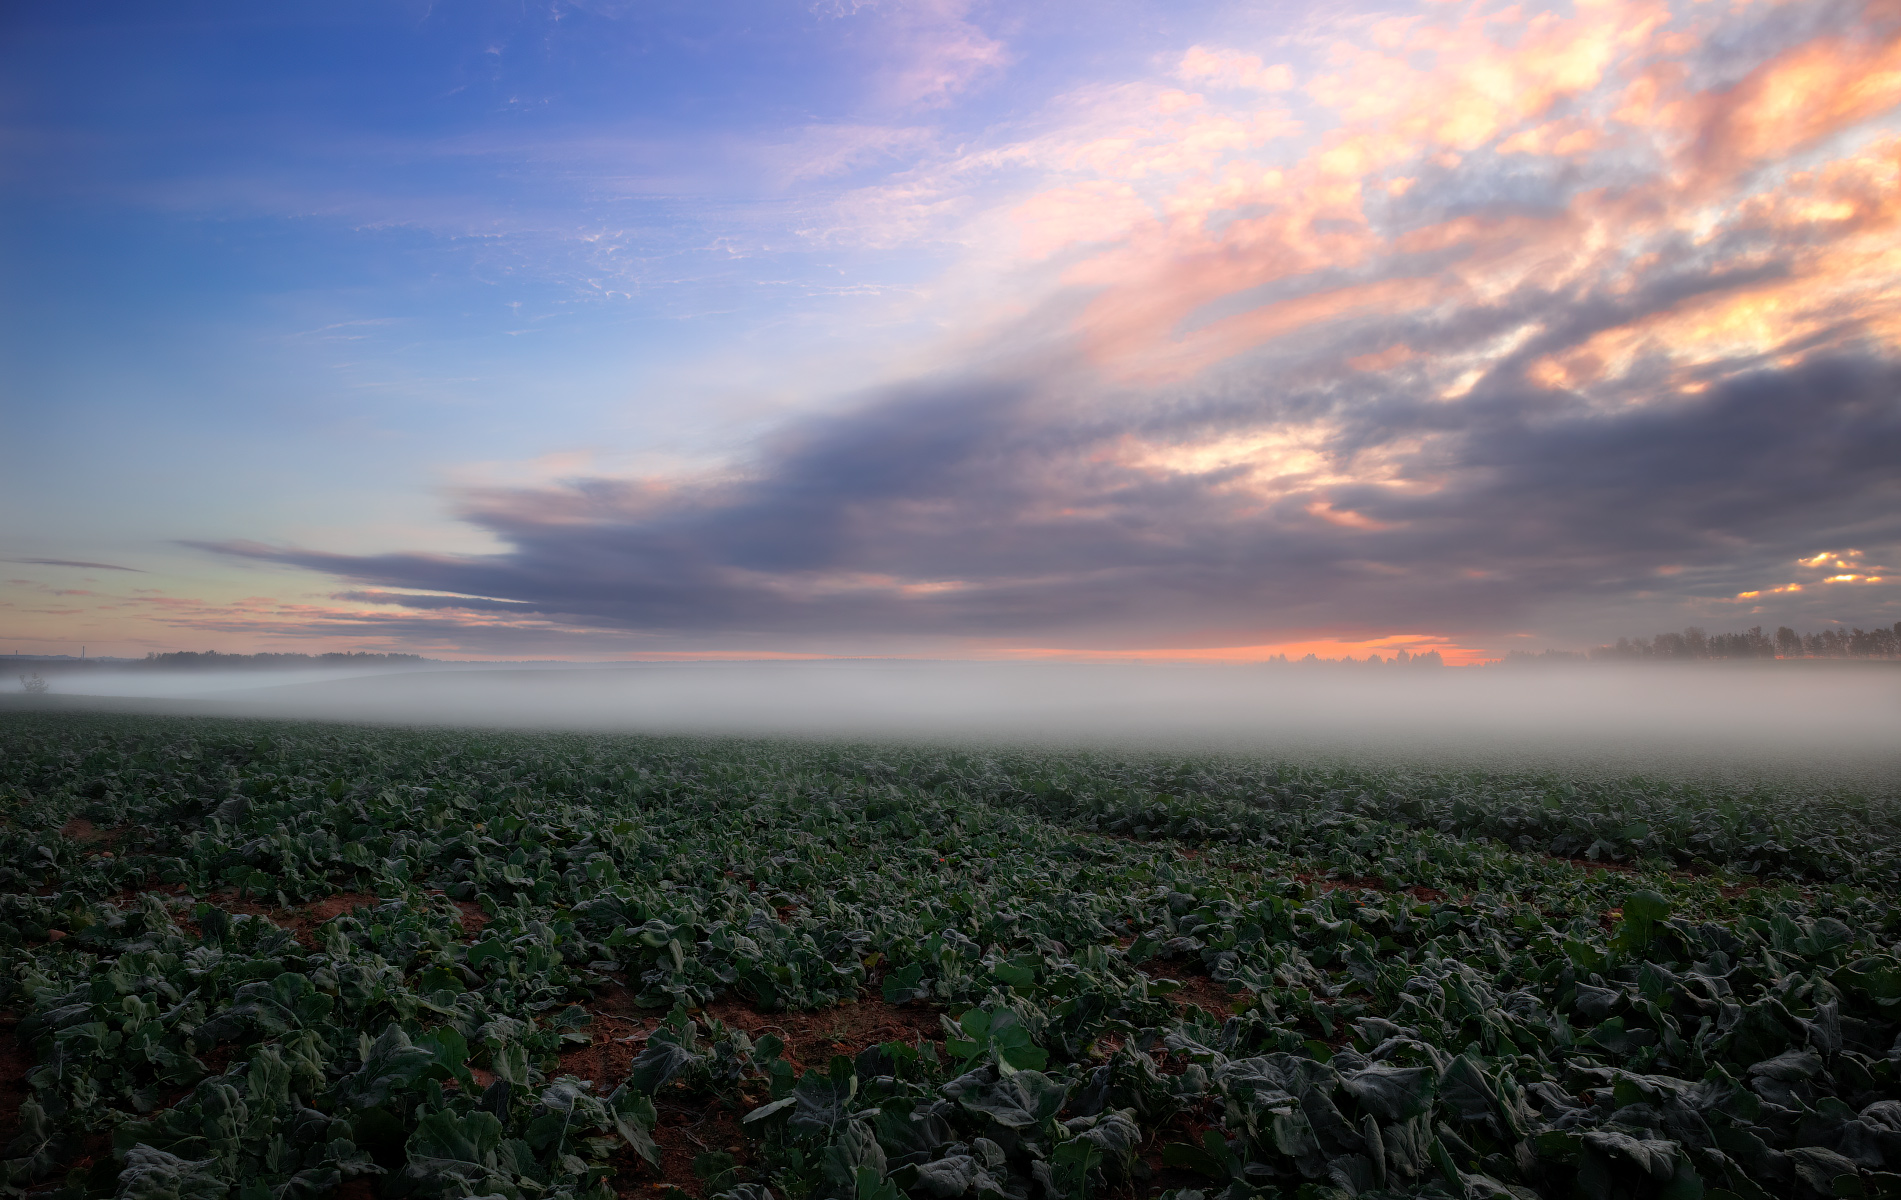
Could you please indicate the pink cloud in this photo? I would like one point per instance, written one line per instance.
(1234, 69)
(1598, 92)
(1098, 211)
(934, 48)
(1797, 98)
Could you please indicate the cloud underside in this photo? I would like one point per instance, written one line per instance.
(1597, 310)
(968, 511)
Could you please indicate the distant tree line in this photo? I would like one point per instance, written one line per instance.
(1431, 658)
(1694, 644)
(194, 660)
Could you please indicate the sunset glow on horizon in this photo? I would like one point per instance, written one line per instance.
(944, 329)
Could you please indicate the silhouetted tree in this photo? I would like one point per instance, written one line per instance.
(1693, 643)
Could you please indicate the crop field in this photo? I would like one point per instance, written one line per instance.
(250, 960)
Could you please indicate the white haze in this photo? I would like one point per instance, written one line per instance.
(1815, 720)
(147, 683)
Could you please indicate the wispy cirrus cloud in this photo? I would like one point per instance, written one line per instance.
(932, 50)
(64, 562)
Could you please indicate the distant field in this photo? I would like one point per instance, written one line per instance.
(271, 960)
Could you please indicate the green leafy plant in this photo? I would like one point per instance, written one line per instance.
(259, 961)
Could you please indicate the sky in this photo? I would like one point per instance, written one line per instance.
(1135, 330)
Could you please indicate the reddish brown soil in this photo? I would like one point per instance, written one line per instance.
(684, 1133)
(1187, 1126)
(617, 1032)
(302, 921)
(689, 1127)
(218, 1058)
(79, 829)
(1589, 864)
(1197, 990)
(474, 920)
(319, 911)
(811, 1039)
(130, 896)
(1213, 998)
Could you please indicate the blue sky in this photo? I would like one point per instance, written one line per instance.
(609, 329)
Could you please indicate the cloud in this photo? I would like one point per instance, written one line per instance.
(63, 562)
(824, 151)
(440, 603)
(931, 49)
(1544, 156)
(1234, 69)
(1098, 211)
(1507, 312)
(978, 510)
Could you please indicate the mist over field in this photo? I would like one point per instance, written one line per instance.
(1830, 720)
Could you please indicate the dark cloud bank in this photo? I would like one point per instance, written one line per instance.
(984, 509)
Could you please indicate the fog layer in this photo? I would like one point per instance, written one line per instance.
(1814, 720)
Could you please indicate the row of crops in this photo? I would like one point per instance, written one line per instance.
(1404, 984)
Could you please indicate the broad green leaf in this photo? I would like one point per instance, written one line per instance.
(1392, 1093)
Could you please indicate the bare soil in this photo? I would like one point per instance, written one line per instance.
(79, 829)
(688, 1126)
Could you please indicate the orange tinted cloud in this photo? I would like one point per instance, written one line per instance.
(1345, 517)
(1222, 339)
(1384, 360)
(1483, 73)
(1790, 102)
(1835, 236)
(1609, 97)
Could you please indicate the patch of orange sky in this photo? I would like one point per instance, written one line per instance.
(259, 624)
(1325, 648)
